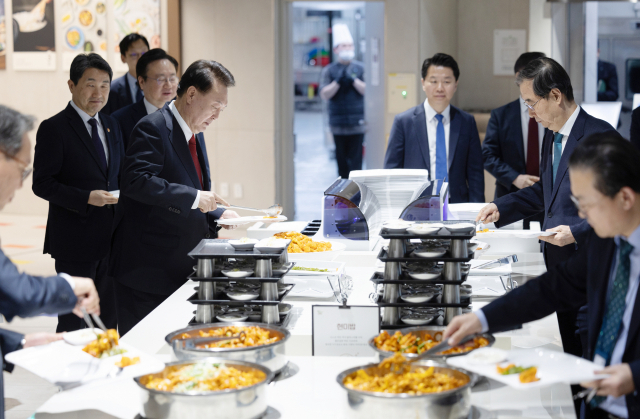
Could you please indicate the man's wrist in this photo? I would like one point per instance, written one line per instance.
(197, 201)
(483, 320)
(69, 279)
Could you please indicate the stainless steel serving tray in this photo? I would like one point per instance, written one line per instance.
(450, 404)
(271, 355)
(421, 331)
(244, 403)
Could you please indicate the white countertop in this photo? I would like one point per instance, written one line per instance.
(313, 391)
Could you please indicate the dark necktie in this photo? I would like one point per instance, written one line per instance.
(557, 153)
(614, 310)
(441, 150)
(139, 94)
(194, 156)
(533, 150)
(97, 143)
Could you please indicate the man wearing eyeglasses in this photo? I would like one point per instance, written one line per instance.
(76, 164)
(158, 79)
(125, 89)
(546, 90)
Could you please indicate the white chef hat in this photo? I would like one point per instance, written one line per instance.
(341, 34)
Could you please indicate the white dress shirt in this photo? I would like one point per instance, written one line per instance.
(566, 130)
(85, 118)
(432, 126)
(151, 108)
(524, 118)
(133, 86)
(187, 134)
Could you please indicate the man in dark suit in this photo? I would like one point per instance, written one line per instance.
(438, 136)
(635, 127)
(607, 81)
(167, 204)
(546, 89)
(77, 162)
(21, 294)
(511, 147)
(158, 79)
(604, 274)
(125, 89)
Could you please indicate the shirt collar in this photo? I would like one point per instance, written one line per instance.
(85, 116)
(431, 113)
(185, 128)
(132, 81)
(568, 126)
(150, 107)
(634, 240)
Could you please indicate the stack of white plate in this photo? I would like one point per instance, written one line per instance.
(394, 188)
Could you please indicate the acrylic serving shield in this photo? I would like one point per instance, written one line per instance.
(351, 211)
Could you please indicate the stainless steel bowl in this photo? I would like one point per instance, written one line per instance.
(245, 403)
(271, 356)
(451, 404)
(434, 331)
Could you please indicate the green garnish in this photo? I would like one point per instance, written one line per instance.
(302, 268)
(514, 370)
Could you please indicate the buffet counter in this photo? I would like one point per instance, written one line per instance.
(312, 390)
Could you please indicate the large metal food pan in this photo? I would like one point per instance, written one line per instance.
(245, 403)
(271, 356)
(421, 331)
(451, 404)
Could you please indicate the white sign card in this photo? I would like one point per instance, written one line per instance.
(344, 330)
(508, 45)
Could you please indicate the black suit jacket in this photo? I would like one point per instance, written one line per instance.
(65, 171)
(608, 74)
(128, 117)
(409, 149)
(119, 95)
(158, 227)
(635, 127)
(554, 199)
(580, 280)
(503, 147)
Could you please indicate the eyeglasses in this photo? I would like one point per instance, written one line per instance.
(162, 80)
(532, 106)
(27, 168)
(136, 55)
(581, 208)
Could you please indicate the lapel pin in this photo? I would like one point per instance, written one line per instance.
(108, 130)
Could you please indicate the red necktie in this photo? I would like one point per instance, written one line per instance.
(533, 152)
(194, 156)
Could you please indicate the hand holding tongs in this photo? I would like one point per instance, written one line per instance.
(497, 262)
(192, 343)
(96, 318)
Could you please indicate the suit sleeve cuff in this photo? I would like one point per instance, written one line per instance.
(68, 278)
(196, 202)
(483, 320)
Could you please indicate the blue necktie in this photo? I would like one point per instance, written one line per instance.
(441, 150)
(557, 153)
(98, 144)
(614, 310)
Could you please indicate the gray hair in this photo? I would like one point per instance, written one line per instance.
(13, 126)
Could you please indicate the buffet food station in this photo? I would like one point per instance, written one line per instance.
(237, 320)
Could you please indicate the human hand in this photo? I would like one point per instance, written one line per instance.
(101, 198)
(229, 214)
(209, 201)
(619, 382)
(85, 290)
(489, 214)
(522, 181)
(563, 238)
(460, 327)
(40, 338)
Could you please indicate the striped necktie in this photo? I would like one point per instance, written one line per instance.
(557, 153)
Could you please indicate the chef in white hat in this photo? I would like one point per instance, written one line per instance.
(342, 85)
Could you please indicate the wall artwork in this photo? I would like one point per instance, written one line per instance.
(84, 25)
(34, 43)
(139, 16)
(3, 37)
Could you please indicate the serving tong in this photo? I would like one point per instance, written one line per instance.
(192, 343)
(272, 211)
(441, 347)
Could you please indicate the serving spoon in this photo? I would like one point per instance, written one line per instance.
(272, 211)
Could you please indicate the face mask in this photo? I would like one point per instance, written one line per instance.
(346, 55)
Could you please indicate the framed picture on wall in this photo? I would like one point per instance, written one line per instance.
(33, 24)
